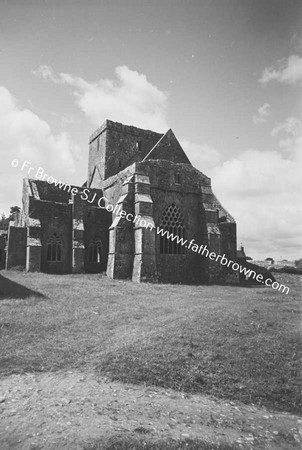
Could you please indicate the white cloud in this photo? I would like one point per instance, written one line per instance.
(262, 190)
(262, 113)
(24, 136)
(296, 41)
(130, 98)
(46, 73)
(288, 71)
(291, 125)
(203, 157)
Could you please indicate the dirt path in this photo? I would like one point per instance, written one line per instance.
(73, 410)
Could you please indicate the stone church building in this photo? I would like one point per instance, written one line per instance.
(64, 229)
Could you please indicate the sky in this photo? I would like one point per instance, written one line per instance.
(225, 75)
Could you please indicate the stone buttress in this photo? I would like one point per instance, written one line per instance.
(144, 265)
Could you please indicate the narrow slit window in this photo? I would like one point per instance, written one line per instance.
(177, 178)
(95, 252)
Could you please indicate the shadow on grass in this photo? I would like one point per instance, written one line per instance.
(11, 289)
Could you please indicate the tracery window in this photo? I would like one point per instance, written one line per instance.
(95, 252)
(172, 222)
(54, 249)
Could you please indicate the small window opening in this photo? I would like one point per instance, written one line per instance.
(95, 252)
(54, 249)
(177, 178)
(139, 146)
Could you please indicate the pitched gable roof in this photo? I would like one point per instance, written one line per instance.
(168, 148)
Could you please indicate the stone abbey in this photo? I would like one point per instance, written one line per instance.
(146, 174)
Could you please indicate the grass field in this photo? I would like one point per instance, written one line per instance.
(235, 342)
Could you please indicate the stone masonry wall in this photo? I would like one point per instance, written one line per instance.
(117, 170)
(96, 161)
(96, 228)
(56, 219)
(115, 146)
(165, 190)
(2, 250)
(16, 247)
(184, 186)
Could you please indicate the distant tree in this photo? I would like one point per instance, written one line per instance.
(4, 221)
(298, 263)
(270, 259)
(14, 209)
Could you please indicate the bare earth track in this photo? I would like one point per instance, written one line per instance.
(74, 410)
(92, 363)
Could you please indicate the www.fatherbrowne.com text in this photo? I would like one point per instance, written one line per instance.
(104, 203)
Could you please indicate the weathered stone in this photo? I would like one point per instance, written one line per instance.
(16, 248)
(139, 182)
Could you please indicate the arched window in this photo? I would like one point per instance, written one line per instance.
(54, 249)
(95, 252)
(172, 222)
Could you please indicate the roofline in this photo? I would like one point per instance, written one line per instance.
(118, 126)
